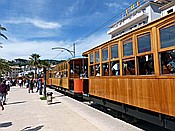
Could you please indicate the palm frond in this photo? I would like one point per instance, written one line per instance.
(3, 36)
(2, 28)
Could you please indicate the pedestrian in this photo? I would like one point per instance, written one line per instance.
(27, 83)
(6, 87)
(1, 96)
(40, 86)
(20, 82)
(8, 84)
(3, 92)
(37, 84)
(31, 85)
(1, 105)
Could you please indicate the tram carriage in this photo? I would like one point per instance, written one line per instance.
(135, 72)
(69, 76)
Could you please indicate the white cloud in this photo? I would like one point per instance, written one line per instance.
(23, 49)
(91, 42)
(71, 9)
(44, 24)
(36, 22)
(116, 5)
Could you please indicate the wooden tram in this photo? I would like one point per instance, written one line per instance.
(135, 72)
(69, 76)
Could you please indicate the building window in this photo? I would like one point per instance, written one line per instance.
(167, 60)
(145, 65)
(97, 58)
(114, 52)
(167, 36)
(144, 43)
(91, 58)
(127, 47)
(115, 68)
(129, 67)
(105, 54)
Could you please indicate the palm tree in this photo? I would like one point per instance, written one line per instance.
(4, 67)
(3, 29)
(35, 61)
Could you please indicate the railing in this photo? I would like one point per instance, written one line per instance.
(124, 22)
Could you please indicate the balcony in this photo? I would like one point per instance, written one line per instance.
(128, 21)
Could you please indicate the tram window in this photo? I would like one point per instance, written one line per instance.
(167, 60)
(97, 58)
(105, 70)
(91, 70)
(145, 65)
(115, 68)
(167, 36)
(127, 47)
(65, 74)
(129, 67)
(91, 58)
(144, 43)
(114, 52)
(97, 70)
(105, 54)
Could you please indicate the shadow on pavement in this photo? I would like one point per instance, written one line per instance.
(55, 103)
(18, 102)
(29, 128)
(59, 96)
(5, 124)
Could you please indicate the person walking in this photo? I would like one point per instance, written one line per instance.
(20, 82)
(6, 89)
(1, 105)
(3, 93)
(31, 85)
(40, 86)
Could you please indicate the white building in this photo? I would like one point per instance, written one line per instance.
(139, 14)
(15, 70)
(168, 8)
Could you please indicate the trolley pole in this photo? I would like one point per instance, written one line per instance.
(70, 51)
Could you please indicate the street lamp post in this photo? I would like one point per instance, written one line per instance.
(71, 52)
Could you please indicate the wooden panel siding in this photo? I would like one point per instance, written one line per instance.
(155, 94)
(152, 90)
(49, 81)
(60, 82)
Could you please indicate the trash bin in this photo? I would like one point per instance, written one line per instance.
(49, 98)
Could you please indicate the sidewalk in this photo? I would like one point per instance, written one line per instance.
(26, 112)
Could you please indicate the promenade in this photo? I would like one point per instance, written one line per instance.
(26, 112)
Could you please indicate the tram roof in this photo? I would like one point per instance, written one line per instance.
(126, 34)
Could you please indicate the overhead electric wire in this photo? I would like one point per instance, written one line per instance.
(111, 20)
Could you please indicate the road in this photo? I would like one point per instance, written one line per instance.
(26, 112)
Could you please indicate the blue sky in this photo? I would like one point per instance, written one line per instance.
(36, 26)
